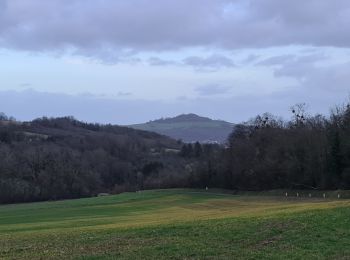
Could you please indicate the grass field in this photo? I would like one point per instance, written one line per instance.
(177, 224)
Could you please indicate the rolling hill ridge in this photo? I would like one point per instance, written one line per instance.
(190, 128)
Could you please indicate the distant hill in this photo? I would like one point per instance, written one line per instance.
(189, 128)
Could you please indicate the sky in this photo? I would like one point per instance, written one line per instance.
(131, 61)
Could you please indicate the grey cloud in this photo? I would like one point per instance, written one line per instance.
(298, 67)
(293, 65)
(211, 62)
(251, 58)
(154, 61)
(293, 61)
(88, 26)
(276, 60)
(310, 74)
(108, 55)
(325, 79)
(212, 90)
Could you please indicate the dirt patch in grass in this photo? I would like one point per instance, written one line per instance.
(280, 225)
(268, 242)
(271, 233)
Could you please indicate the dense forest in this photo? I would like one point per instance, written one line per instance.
(307, 152)
(59, 158)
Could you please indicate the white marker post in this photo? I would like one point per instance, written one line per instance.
(324, 195)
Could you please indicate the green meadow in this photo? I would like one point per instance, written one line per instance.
(177, 224)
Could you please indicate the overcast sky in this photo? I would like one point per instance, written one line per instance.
(129, 61)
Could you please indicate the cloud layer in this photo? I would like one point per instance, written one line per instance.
(248, 56)
(110, 29)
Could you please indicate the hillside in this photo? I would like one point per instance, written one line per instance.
(190, 128)
(177, 224)
(59, 158)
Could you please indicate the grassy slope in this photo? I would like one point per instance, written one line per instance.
(177, 224)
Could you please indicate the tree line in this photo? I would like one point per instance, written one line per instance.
(61, 158)
(307, 152)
